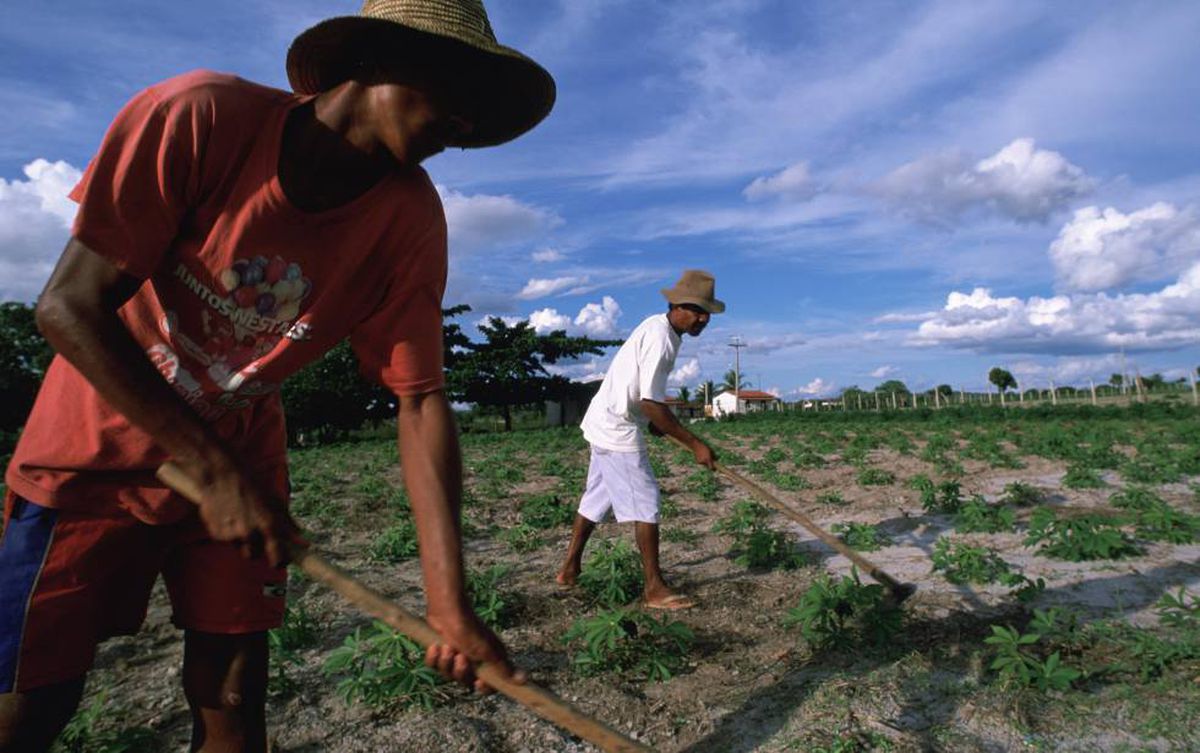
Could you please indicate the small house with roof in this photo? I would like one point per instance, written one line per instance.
(745, 401)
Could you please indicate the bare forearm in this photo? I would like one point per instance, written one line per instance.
(664, 420)
(96, 342)
(432, 466)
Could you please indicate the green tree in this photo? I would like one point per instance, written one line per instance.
(709, 390)
(1002, 379)
(892, 385)
(24, 356)
(508, 368)
(1116, 380)
(685, 395)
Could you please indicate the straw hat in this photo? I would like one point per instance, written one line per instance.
(451, 38)
(697, 287)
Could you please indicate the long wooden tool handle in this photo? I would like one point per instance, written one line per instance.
(866, 565)
(538, 700)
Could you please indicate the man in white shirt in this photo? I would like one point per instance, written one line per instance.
(633, 397)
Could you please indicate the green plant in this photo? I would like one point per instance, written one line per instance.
(612, 574)
(831, 498)
(382, 667)
(743, 517)
(945, 497)
(628, 640)
(299, 630)
(522, 537)
(84, 735)
(1079, 538)
(704, 483)
(1135, 498)
(764, 549)
(875, 477)
(1017, 666)
(844, 613)
(1179, 610)
(492, 605)
(1020, 494)
(1081, 477)
(862, 536)
(962, 563)
(546, 511)
(1162, 522)
(977, 516)
(395, 543)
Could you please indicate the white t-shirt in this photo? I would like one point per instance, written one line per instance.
(614, 419)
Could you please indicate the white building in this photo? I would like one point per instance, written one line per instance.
(746, 401)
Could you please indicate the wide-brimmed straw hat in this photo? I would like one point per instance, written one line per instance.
(697, 287)
(452, 39)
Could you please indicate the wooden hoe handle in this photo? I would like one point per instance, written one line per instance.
(538, 700)
(866, 565)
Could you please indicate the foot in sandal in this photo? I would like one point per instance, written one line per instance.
(670, 602)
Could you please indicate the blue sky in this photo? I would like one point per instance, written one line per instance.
(904, 190)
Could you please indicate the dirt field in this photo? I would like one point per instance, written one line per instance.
(748, 682)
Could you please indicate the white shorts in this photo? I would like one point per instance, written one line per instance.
(621, 482)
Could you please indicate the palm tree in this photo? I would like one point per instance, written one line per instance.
(685, 395)
(732, 382)
(709, 389)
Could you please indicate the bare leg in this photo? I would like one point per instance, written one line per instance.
(30, 721)
(225, 681)
(580, 532)
(658, 593)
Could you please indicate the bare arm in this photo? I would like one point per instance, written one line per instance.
(664, 420)
(77, 313)
(432, 466)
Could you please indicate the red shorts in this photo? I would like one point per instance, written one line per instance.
(68, 580)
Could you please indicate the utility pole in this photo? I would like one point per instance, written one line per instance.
(736, 343)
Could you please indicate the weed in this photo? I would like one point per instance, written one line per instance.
(395, 543)
(831, 498)
(1017, 666)
(743, 518)
(680, 536)
(653, 650)
(977, 516)
(299, 630)
(1179, 610)
(862, 536)
(82, 735)
(522, 538)
(1081, 477)
(383, 668)
(546, 511)
(1162, 522)
(704, 483)
(493, 606)
(945, 497)
(613, 574)
(963, 563)
(764, 549)
(1020, 494)
(1135, 498)
(844, 613)
(875, 477)
(1079, 538)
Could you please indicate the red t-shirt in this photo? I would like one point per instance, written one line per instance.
(241, 290)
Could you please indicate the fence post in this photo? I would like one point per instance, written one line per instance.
(1093, 383)
(1053, 393)
(1141, 396)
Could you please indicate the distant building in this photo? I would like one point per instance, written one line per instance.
(684, 410)
(746, 401)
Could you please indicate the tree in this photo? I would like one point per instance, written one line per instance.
(709, 390)
(24, 356)
(685, 395)
(892, 385)
(1002, 379)
(1116, 380)
(509, 367)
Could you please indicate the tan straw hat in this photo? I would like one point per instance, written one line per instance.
(508, 92)
(697, 287)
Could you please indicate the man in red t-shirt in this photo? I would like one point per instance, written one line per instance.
(228, 234)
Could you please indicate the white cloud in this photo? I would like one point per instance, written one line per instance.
(685, 374)
(547, 255)
(597, 320)
(35, 222)
(1069, 324)
(1105, 249)
(899, 317)
(1020, 182)
(884, 372)
(792, 182)
(818, 388)
(485, 221)
(541, 287)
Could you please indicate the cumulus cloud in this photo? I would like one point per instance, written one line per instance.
(1105, 249)
(547, 255)
(1069, 324)
(486, 221)
(818, 388)
(792, 182)
(593, 320)
(35, 222)
(686, 373)
(541, 287)
(884, 372)
(1020, 182)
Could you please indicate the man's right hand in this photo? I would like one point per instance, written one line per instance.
(705, 455)
(233, 509)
